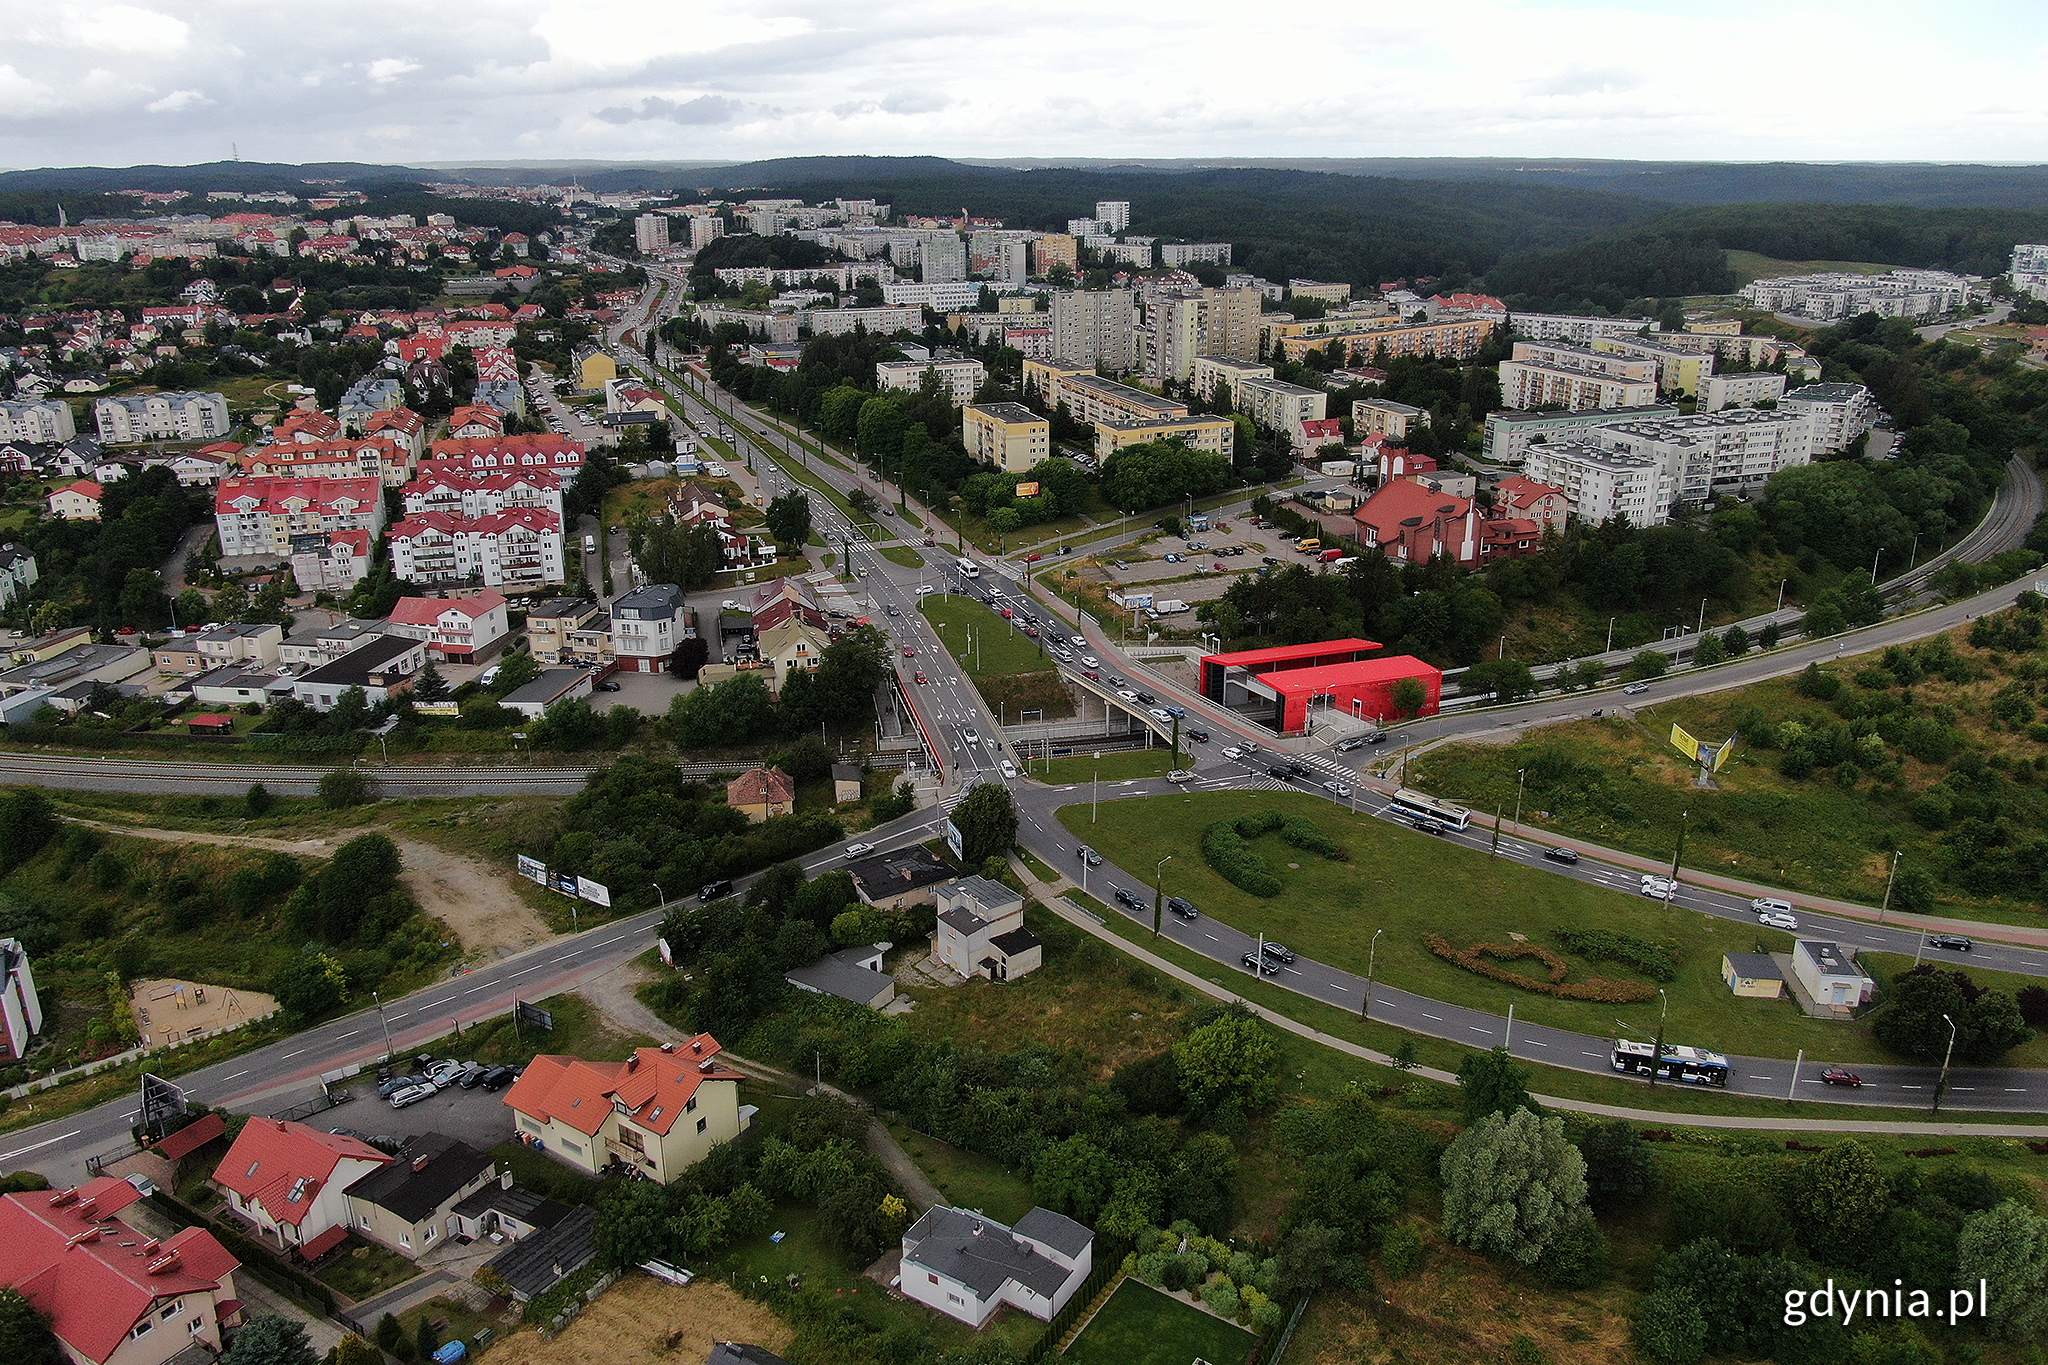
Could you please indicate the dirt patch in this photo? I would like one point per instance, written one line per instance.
(169, 1011)
(645, 1322)
(480, 906)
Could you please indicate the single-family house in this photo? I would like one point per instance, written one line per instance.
(554, 684)
(1754, 976)
(408, 1203)
(382, 668)
(854, 974)
(659, 1112)
(549, 626)
(77, 501)
(981, 930)
(289, 1182)
(900, 877)
(966, 1265)
(762, 794)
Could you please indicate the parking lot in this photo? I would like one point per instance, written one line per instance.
(478, 1117)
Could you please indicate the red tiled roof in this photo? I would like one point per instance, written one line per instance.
(654, 1086)
(86, 486)
(324, 1243)
(759, 786)
(91, 1273)
(427, 611)
(272, 1155)
(566, 1089)
(192, 1136)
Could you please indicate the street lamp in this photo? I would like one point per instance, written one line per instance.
(1941, 1083)
(664, 896)
(1372, 958)
(1657, 1048)
(1521, 779)
(1610, 634)
(1159, 891)
(1889, 878)
(385, 1022)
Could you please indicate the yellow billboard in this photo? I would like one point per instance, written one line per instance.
(1027, 490)
(1721, 754)
(1685, 743)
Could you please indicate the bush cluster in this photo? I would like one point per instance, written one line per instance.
(1653, 960)
(1473, 960)
(1227, 855)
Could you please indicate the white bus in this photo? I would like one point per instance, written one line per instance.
(1692, 1065)
(969, 569)
(1422, 806)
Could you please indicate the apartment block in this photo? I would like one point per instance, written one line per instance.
(261, 516)
(1680, 369)
(943, 257)
(705, 229)
(1840, 412)
(650, 232)
(1603, 484)
(362, 457)
(132, 418)
(1527, 385)
(1214, 370)
(1189, 253)
(1278, 405)
(1318, 289)
(1591, 359)
(1113, 214)
(46, 423)
(646, 625)
(1217, 435)
(1719, 391)
(1095, 327)
(1709, 454)
(1055, 248)
(456, 491)
(2029, 269)
(1385, 417)
(1360, 340)
(519, 549)
(1009, 436)
(1091, 398)
(944, 295)
(958, 379)
(1185, 324)
(1835, 294)
(884, 321)
(1579, 331)
(1510, 434)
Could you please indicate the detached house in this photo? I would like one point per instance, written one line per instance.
(78, 501)
(981, 930)
(459, 629)
(288, 1181)
(659, 1112)
(967, 1265)
(115, 1296)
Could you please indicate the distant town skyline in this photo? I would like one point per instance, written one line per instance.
(195, 80)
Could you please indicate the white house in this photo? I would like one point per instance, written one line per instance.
(382, 667)
(462, 629)
(646, 627)
(79, 501)
(289, 1180)
(981, 930)
(967, 1265)
(1830, 975)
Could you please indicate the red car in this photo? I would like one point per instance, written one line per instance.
(920, 677)
(1032, 631)
(1008, 614)
(909, 652)
(1033, 557)
(125, 630)
(1091, 675)
(1835, 1075)
(1219, 566)
(929, 543)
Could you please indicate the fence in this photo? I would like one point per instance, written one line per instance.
(1109, 1261)
(1273, 1347)
(256, 1258)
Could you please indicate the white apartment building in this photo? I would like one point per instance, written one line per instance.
(1113, 214)
(47, 423)
(1188, 253)
(1510, 434)
(1385, 417)
(1579, 331)
(1525, 385)
(1132, 251)
(518, 549)
(461, 492)
(1611, 364)
(1719, 391)
(705, 229)
(131, 418)
(650, 232)
(261, 516)
(1709, 454)
(1095, 327)
(1603, 484)
(646, 625)
(1084, 227)
(946, 296)
(960, 379)
(2030, 269)
(943, 257)
(1277, 405)
(1834, 295)
(1211, 370)
(1840, 413)
(884, 321)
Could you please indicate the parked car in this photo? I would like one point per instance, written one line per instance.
(412, 1094)
(1836, 1075)
(1567, 856)
(497, 1078)
(472, 1075)
(442, 1074)
(1955, 943)
(1252, 962)
(607, 686)
(386, 1089)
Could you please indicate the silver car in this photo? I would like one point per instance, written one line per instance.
(412, 1094)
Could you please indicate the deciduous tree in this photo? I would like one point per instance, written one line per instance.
(1513, 1186)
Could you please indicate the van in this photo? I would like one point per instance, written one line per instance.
(1309, 545)
(1331, 556)
(590, 545)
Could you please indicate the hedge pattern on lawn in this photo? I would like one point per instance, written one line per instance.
(1225, 850)
(1474, 959)
(1653, 960)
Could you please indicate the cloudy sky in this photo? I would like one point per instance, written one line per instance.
(428, 80)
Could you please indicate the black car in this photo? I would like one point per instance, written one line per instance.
(1126, 899)
(1297, 770)
(607, 687)
(1148, 699)
(1267, 559)
(714, 891)
(1277, 771)
(386, 1089)
(1252, 962)
(1953, 942)
(1199, 736)
(1562, 855)
(1279, 952)
(472, 1077)
(1376, 737)
(1184, 909)
(497, 1078)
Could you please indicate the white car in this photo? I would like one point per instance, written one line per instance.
(859, 850)
(716, 471)
(1180, 775)
(1764, 904)
(1233, 752)
(1079, 643)
(1336, 789)
(1663, 888)
(969, 735)
(1165, 717)
(1777, 919)
(1007, 768)
(1091, 661)
(925, 590)
(1127, 694)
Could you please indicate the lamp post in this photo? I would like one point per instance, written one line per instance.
(385, 1022)
(1873, 565)
(1159, 891)
(1941, 1083)
(1094, 788)
(1657, 1048)
(662, 894)
(1781, 593)
(1889, 878)
(1521, 780)
(1372, 958)
(1610, 634)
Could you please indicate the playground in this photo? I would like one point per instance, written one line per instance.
(169, 1011)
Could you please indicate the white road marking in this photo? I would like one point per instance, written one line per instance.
(1438, 1017)
(294, 1054)
(236, 1075)
(24, 1151)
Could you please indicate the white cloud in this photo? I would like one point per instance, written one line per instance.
(127, 28)
(387, 69)
(177, 101)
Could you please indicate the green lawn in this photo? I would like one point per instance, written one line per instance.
(908, 556)
(1117, 765)
(579, 1032)
(1748, 266)
(1410, 884)
(991, 645)
(968, 1181)
(365, 1269)
(1141, 1325)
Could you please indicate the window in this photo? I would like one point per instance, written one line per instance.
(141, 1329)
(933, 1278)
(702, 1124)
(196, 1326)
(955, 1298)
(169, 1310)
(690, 1105)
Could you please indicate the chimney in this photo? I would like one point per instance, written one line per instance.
(164, 1264)
(632, 1064)
(419, 1163)
(697, 1045)
(977, 1229)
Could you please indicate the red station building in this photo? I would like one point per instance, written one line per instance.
(1280, 686)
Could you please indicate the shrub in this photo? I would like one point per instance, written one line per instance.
(1221, 1296)
(1653, 960)
(1227, 855)
(1401, 1250)
(344, 787)
(2033, 1003)
(1304, 833)
(1473, 960)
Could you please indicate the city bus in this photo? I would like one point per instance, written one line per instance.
(1422, 806)
(1692, 1065)
(969, 569)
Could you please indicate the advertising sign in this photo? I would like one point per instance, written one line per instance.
(533, 869)
(953, 841)
(1027, 490)
(1685, 744)
(593, 892)
(563, 882)
(1721, 754)
(436, 708)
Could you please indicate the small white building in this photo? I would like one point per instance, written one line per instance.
(981, 930)
(21, 1010)
(1829, 974)
(967, 1265)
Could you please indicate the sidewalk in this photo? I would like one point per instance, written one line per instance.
(1048, 894)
